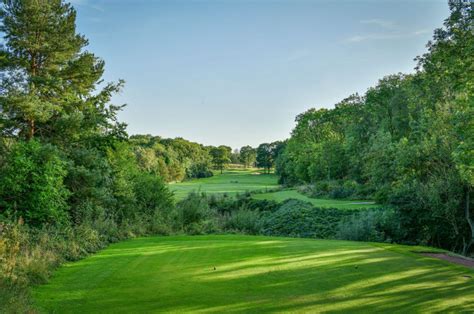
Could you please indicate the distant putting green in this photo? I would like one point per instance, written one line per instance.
(231, 182)
(220, 274)
(281, 196)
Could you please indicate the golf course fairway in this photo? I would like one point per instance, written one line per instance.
(217, 274)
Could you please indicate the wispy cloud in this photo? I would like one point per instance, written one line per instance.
(422, 32)
(384, 36)
(367, 37)
(386, 30)
(380, 23)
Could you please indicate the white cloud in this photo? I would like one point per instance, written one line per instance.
(421, 32)
(380, 22)
(367, 37)
(384, 36)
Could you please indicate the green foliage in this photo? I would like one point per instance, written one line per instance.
(244, 221)
(152, 194)
(29, 255)
(199, 171)
(71, 174)
(89, 177)
(227, 205)
(67, 168)
(194, 216)
(221, 157)
(407, 142)
(49, 81)
(295, 218)
(374, 225)
(235, 156)
(336, 189)
(172, 159)
(32, 184)
(248, 156)
(266, 156)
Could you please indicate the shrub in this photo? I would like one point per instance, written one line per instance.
(374, 225)
(199, 170)
(300, 219)
(152, 195)
(226, 205)
(32, 184)
(243, 220)
(336, 189)
(194, 216)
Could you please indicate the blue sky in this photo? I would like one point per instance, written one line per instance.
(238, 72)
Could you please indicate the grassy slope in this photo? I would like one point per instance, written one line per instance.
(280, 196)
(256, 274)
(231, 182)
(241, 180)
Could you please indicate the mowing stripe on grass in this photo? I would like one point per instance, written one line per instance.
(229, 273)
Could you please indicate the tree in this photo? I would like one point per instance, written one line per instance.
(277, 149)
(50, 92)
(265, 156)
(235, 156)
(248, 156)
(32, 184)
(49, 84)
(221, 156)
(407, 142)
(449, 65)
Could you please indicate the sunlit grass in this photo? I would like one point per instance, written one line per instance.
(231, 182)
(234, 181)
(215, 274)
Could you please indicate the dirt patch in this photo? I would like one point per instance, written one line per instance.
(453, 259)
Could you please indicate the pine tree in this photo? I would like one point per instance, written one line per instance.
(49, 80)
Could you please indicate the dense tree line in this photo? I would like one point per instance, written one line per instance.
(72, 180)
(65, 157)
(66, 162)
(172, 159)
(408, 141)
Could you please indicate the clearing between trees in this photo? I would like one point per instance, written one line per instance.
(230, 182)
(263, 186)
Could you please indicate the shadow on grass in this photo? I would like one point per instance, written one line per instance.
(256, 274)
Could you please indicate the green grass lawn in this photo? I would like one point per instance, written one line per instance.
(219, 274)
(232, 181)
(235, 181)
(280, 196)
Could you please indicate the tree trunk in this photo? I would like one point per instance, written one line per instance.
(31, 131)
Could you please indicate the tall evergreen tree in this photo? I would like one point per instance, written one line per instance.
(49, 81)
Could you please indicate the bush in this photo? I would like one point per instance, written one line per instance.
(336, 189)
(300, 219)
(226, 205)
(243, 220)
(152, 195)
(199, 170)
(32, 184)
(373, 225)
(194, 216)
